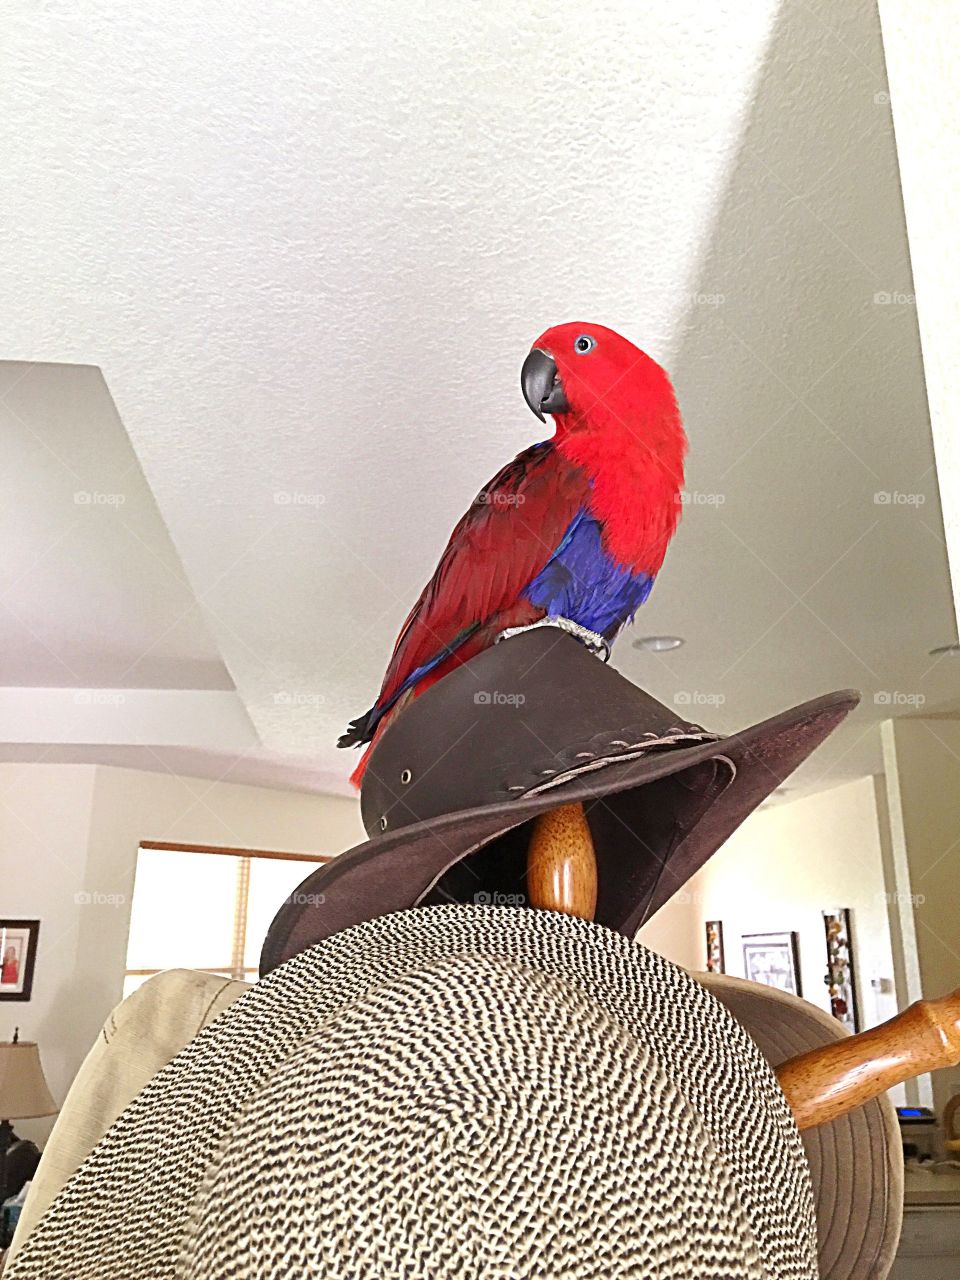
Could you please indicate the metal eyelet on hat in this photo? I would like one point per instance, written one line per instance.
(405, 777)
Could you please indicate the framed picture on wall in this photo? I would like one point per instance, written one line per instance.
(18, 955)
(773, 959)
(840, 977)
(715, 960)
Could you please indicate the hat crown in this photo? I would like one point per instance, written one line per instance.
(519, 1129)
(524, 715)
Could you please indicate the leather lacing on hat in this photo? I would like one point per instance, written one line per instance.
(624, 750)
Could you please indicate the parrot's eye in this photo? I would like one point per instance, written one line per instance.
(584, 344)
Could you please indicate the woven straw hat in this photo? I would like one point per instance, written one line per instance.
(451, 1091)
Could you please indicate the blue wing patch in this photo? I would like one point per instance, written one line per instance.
(583, 583)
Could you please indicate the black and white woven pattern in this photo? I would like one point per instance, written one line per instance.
(468, 1091)
(501, 1126)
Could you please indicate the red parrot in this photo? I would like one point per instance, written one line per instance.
(576, 526)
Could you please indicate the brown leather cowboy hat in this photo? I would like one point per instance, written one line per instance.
(530, 724)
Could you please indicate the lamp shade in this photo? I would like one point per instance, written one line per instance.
(23, 1089)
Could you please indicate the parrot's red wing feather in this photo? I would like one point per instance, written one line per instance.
(509, 533)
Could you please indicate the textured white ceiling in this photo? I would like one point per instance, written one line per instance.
(308, 247)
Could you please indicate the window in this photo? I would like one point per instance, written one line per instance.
(206, 908)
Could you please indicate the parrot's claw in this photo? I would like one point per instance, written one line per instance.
(595, 642)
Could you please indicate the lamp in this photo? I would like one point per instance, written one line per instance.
(23, 1093)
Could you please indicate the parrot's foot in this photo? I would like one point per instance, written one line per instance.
(595, 642)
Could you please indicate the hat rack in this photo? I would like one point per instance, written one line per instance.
(819, 1085)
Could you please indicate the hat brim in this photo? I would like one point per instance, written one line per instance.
(400, 868)
(856, 1163)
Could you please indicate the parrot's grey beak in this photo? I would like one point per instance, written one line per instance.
(542, 388)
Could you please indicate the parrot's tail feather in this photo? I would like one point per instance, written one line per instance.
(357, 776)
(359, 731)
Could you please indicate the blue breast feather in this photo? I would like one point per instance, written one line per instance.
(581, 582)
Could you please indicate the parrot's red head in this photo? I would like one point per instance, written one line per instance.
(590, 378)
(617, 418)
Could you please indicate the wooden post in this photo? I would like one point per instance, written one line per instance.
(827, 1082)
(562, 864)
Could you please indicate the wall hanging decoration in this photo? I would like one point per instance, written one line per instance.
(840, 978)
(715, 960)
(18, 955)
(773, 959)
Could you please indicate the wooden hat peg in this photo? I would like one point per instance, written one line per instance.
(562, 863)
(827, 1082)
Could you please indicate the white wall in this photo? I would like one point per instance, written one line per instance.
(778, 872)
(75, 829)
(921, 44)
(44, 839)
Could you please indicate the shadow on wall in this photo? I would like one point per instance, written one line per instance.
(800, 355)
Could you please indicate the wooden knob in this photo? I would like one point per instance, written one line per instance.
(562, 864)
(827, 1082)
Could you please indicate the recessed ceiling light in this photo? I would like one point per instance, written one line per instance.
(658, 644)
(950, 650)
